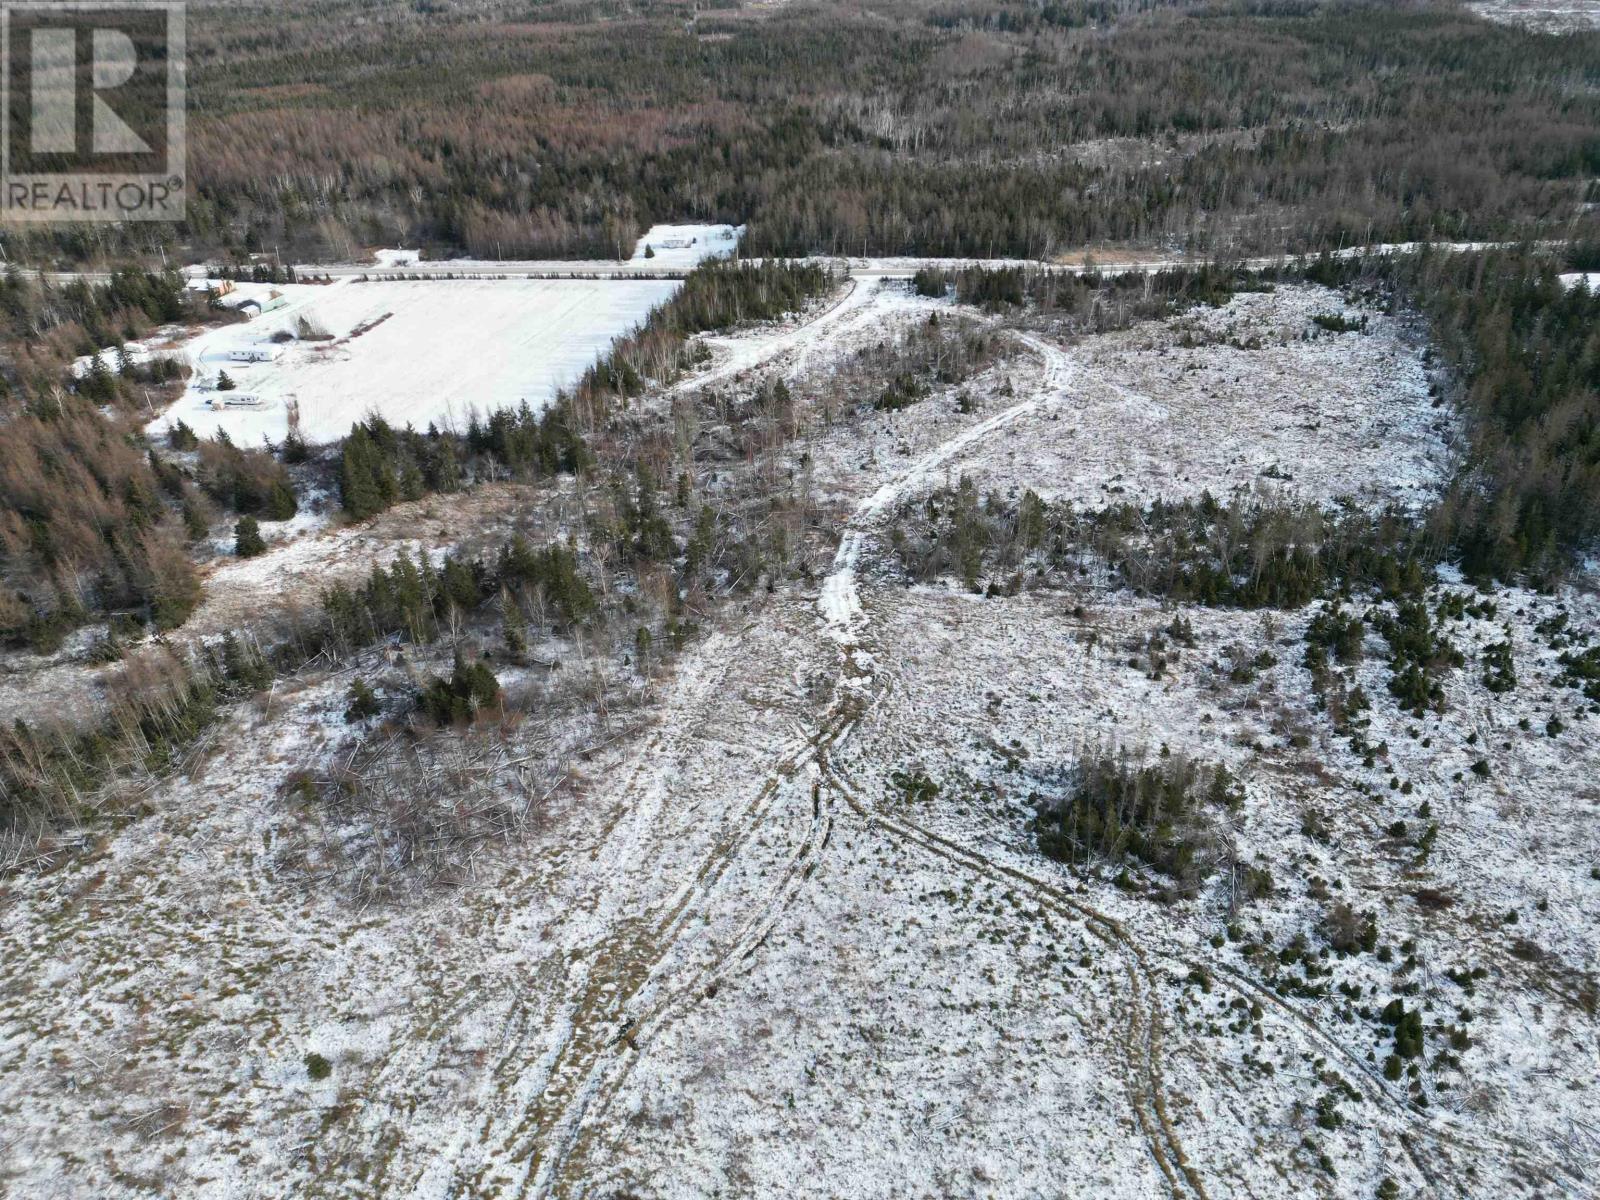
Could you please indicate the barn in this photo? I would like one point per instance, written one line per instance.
(252, 306)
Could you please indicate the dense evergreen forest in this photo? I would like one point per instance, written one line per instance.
(1524, 351)
(89, 522)
(511, 129)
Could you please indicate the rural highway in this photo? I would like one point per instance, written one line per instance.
(861, 268)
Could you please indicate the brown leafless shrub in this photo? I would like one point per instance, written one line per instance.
(404, 812)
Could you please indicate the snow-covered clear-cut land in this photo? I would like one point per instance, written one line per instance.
(1559, 17)
(771, 918)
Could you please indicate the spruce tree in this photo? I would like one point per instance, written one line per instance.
(280, 503)
(247, 540)
(460, 585)
(363, 703)
(195, 525)
(243, 664)
(99, 383)
(358, 491)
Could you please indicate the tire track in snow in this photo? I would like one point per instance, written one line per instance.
(1440, 1127)
(842, 610)
(582, 1074)
(631, 967)
(702, 984)
(556, 1163)
(1142, 1042)
(845, 618)
(749, 353)
(840, 601)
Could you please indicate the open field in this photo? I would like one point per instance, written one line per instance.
(424, 351)
(417, 352)
(1250, 398)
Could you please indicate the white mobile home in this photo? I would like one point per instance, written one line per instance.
(259, 352)
(223, 401)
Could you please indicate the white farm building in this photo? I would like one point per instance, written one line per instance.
(253, 305)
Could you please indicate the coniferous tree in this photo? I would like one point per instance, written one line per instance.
(358, 487)
(280, 504)
(195, 525)
(470, 688)
(247, 539)
(182, 437)
(361, 702)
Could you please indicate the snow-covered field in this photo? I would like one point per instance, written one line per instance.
(1249, 397)
(415, 352)
(733, 957)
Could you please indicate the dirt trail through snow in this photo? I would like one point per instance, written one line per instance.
(846, 621)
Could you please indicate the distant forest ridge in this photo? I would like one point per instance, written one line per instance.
(958, 128)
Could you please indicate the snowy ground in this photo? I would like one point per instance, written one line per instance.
(677, 247)
(1233, 399)
(731, 958)
(1219, 400)
(423, 350)
(1560, 17)
(415, 352)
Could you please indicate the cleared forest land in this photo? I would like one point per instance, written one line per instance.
(770, 912)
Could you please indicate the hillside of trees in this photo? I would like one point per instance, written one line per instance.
(321, 126)
(1526, 352)
(88, 525)
(95, 523)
